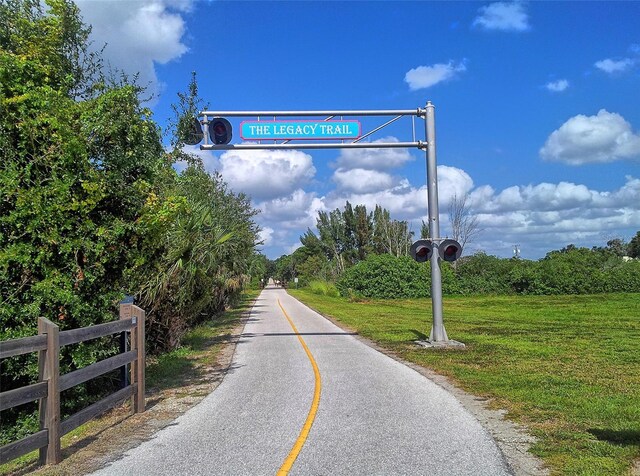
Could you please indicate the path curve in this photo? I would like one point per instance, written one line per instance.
(375, 415)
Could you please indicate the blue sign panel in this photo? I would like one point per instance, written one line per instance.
(300, 130)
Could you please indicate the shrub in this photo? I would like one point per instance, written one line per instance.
(624, 278)
(484, 274)
(386, 277)
(324, 288)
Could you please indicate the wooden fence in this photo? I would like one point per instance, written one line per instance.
(50, 383)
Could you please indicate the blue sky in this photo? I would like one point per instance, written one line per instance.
(537, 106)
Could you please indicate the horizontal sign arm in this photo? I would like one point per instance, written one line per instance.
(403, 112)
(358, 145)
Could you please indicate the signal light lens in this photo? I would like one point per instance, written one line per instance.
(421, 250)
(220, 131)
(449, 250)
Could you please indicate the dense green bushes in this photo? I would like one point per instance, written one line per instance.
(568, 271)
(389, 277)
(386, 277)
(365, 254)
(92, 209)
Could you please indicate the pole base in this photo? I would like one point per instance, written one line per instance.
(442, 344)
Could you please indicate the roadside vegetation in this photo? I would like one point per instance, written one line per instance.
(352, 246)
(92, 207)
(566, 367)
(183, 372)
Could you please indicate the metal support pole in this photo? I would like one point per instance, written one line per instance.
(438, 333)
(205, 129)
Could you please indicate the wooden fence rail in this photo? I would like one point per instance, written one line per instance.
(50, 383)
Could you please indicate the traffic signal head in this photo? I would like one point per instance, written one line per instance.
(421, 250)
(193, 133)
(449, 250)
(220, 131)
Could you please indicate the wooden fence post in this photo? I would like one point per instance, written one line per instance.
(138, 367)
(125, 313)
(49, 370)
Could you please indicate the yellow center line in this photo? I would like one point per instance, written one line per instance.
(302, 437)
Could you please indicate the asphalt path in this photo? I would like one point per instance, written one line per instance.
(365, 413)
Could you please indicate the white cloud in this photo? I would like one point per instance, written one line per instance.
(426, 76)
(547, 216)
(137, 34)
(361, 180)
(611, 66)
(543, 197)
(557, 86)
(297, 210)
(266, 235)
(539, 217)
(404, 201)
(548, 202)
(265, 174)
(605, 137)
(373, 159)
(452, 181)
(504, 16)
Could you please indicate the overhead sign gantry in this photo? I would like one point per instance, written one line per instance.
(297, 128)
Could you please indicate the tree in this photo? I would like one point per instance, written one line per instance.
(464, 223)
(49, 45)
(633, 249)
(349, 234)
(90, 207)
(331, 228)
(312, 244)
(285, 269)
(75, 174)
(425, 230)
(186, 109)
(363, 232)
(390, 236)
(204, 237)
(314, 267)
(80, 159)
(207, 251)
(617, 247)
(258, 270)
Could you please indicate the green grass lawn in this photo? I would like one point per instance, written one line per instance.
(567, 367)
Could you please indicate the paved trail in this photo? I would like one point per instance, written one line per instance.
(373, 415)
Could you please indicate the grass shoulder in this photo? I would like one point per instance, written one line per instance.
(566, 367)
